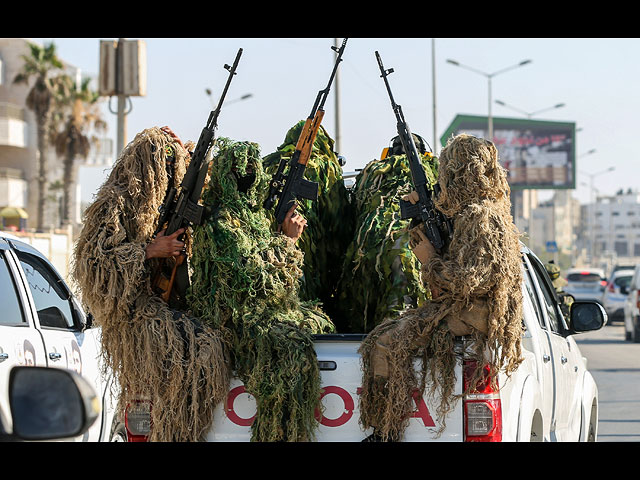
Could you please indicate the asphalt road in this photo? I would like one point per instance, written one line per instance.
(615, 365)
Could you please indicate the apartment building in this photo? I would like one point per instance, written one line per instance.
(18, 146)
(614, 227)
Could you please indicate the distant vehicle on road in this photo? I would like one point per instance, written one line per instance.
(631, 313)
(615, 293)
(586, 284)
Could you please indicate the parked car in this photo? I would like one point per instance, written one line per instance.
(43, 325)
(631, 312)
(586, 284)
(615, 293)
(621, 267)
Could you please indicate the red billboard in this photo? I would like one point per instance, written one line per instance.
(536, 154)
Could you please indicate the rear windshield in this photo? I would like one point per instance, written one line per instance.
(622, 281)
(583, 277)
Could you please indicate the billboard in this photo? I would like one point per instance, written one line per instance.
(536, 154)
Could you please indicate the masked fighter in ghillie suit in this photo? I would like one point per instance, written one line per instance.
(476, 285)
(245, 281)
(156, 353)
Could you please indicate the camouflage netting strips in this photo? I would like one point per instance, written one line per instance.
(380, 275)
(329, 219)
(480, 270)
(139, 331)
(245, 281)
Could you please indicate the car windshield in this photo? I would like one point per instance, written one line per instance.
(622, 281)
(583, 277)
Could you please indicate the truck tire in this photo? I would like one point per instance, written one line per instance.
(636, 332)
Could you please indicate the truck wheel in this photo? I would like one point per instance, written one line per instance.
(636, 333)
(591, 436)
(118, 433)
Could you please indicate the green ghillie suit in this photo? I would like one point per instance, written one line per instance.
(479, 280)
(380, 274)
(245, 280)
(330, 221)
(155, 353)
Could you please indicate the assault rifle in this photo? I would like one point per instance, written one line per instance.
(438, 227)
(181, 208)
(286, 189)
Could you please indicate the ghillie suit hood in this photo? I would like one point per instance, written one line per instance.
(329, 219)
(245, 280)
(479, 277)
(381, 276)
(154, 352)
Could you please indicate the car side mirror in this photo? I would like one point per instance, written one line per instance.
(50, 403)
(587, 316)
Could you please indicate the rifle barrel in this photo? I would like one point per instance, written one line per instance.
(323, 94)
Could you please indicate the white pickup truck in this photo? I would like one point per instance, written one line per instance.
(551, 397)
(42, 324)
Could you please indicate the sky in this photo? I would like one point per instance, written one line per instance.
(596, 79)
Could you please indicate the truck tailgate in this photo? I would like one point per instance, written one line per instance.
(341, 379)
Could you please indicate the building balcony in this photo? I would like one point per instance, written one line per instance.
(13, 125)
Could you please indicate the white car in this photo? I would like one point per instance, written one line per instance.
(615, 294)
(586, 284)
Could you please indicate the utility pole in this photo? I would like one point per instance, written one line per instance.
(337, 103)
(121, 137)
(433, 81)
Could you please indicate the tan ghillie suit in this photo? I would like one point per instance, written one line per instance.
(478, 279)
(155, 352)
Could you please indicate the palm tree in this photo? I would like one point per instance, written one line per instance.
(81, 115)
(41, 64)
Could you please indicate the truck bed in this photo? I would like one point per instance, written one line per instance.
(341, 379)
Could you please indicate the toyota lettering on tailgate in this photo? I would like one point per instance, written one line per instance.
(421, 412)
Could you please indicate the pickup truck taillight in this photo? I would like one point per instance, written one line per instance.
(482, 409)
(137, 421)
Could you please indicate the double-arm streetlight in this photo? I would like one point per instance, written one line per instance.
(593, 205)
(489, 76)
(529, 114)
(243, 97)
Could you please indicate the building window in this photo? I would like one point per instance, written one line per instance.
(621, 249)
(636, 250)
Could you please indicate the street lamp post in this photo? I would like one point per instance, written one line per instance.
(593, 206)
(229, 102)
(489, 77)
(529, 114)
(530, 191)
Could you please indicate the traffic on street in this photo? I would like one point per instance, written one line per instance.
(614, 364)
